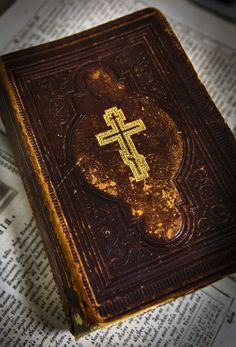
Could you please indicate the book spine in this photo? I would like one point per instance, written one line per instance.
(38, 188)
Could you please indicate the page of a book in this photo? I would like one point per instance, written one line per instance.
(31, 313)
(194, 16)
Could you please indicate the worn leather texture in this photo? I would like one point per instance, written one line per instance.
(129, 166)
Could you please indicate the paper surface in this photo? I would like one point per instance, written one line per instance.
(31, 313)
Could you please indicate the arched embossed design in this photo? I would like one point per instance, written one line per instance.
(138, 106)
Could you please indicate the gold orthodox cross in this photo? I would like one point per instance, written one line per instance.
(122, 133)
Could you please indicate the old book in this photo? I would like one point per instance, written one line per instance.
(128, 165)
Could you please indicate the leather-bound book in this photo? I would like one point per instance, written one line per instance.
(128, 165)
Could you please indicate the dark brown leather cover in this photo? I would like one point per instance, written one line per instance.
(129, 167)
